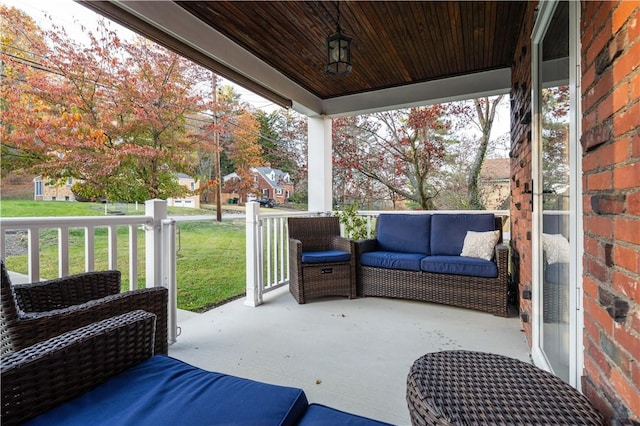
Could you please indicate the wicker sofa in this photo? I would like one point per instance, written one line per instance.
(106, 374)
(417, 257)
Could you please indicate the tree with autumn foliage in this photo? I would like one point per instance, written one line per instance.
(402, 150)
(245, 152)
(110, 113)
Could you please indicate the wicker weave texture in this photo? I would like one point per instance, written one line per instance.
(468, 388)
(310, 281)
(21, 327)
(42, 376)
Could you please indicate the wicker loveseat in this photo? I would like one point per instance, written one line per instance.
(417, 257)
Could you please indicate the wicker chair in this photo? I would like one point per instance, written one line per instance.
(321, 262)
(48, 373)
(35, 312)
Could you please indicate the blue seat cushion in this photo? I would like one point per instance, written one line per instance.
(164, 391)
(458, 265)
(392, 260)
(556, 273)
(320, 415)
(325, 256)
(448, 231)
(404, 233)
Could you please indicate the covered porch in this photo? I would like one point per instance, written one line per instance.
(353, 355)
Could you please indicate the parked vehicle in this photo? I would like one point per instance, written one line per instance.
(266, 202)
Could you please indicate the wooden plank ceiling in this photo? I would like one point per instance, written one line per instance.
(394, 43)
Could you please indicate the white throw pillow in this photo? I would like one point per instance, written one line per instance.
(556, 248)
(480, 244)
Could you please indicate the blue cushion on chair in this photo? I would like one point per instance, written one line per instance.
(556, 273)
(165, 391)
(326, 256)
(459, 265)
(320, 415)
(448, 231)
(392, 260)
(404, 233)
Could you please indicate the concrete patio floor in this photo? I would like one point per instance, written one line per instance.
(353, 355)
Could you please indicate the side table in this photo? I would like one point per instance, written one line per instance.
(463, 387)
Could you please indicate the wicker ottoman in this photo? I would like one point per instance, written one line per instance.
(461, 387)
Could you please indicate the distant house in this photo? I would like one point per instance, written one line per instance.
(494, 183)
(192, 201)
(62, 191)
(267, 182)
(43, 191)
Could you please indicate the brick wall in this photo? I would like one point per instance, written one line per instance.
(610, 38)
(610, 35)
(521, 166)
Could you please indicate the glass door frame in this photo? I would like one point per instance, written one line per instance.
(576, 318)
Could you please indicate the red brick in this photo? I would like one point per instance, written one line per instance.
(629, 341)
(627, 176)
(599, 315)
(591, 330)
(596, 269)
(634, 87)
(589, 162)
(599, 181)
(635, 146)
(626, 391)
(602, 86)
(598, 358)
(591, 246)
(625, 285)
(591, 369)
(626, 258)
(633, 27)
(627, 230)
(624, 65)
(633, 203)
(601, 39)
(599, 226)
(621, 14)
(626, 121)
(588, 77)
(614, 153)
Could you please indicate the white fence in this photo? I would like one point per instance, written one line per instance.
(160, 253)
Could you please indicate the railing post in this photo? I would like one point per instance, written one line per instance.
(253, 250)
(169, 275)
(157, 209)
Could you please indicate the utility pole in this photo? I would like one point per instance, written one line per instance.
(216, 138)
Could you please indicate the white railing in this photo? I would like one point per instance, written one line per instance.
(160, 243)
(267, 244)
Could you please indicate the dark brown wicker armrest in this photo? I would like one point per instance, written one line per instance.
(502, 259)
(44, 375)
(365, 246)
(67, 291)
(295, 248)
(343, 244)
(39, 326)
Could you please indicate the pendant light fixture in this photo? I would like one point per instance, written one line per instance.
(338, 50)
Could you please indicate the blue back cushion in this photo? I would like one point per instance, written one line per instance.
(448, 231)
(404, 233)
(164, 391)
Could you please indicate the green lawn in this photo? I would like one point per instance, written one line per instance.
(210, 261)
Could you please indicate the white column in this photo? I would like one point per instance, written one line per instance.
(320, 164)
(153, 241)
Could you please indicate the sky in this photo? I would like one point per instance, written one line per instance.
(72, 15)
